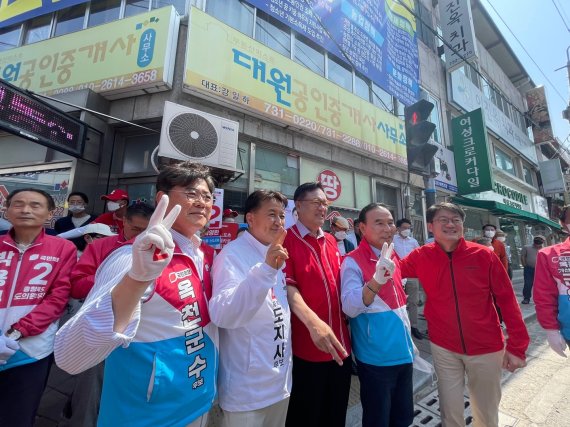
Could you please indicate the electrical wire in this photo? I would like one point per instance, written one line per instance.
(560, 14)
(528, 54)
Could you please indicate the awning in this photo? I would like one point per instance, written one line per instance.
(500, 209)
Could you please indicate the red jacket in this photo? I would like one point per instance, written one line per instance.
(459, 308)
(109, 218)
(83, 274)
(313, 268)
(34, 289)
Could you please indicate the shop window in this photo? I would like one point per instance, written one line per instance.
(504, 161)
(339, 73)
(235, 192)
(10, 37)
(38, 29)
(138, 152)
(70, 20)
(236, 14)
(309, 54)
(276, 171)
(389, 197)
(136, 7)
(361, 87)
(103, 11)
(424, 26)
(141, 192)
(527, 172)
(382, 99)
(273, 34)
(362, 188)
(179, 5)
(434, 116)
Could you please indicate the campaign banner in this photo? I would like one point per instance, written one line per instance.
(378, 36)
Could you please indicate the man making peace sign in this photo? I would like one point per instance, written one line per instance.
(147, 314)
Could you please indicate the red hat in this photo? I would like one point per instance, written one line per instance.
(116, 195)
(228, 213)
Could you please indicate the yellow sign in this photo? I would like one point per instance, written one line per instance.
(223, 64)
(112, 59)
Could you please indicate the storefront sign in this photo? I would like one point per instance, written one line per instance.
(446, 178)
(15, 11)
(457, 27)
(311, 169)
(114, 59)
(470, 147)
(519, 199)
(379, 37)
(468, 97)
(226, 66)
(540, 205)
(539, 115)
(331, 184)
(552, 176)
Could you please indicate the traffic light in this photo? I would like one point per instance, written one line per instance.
(419, 146)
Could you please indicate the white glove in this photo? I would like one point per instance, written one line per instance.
(384, 266)
(7, 348)
(153, 249)
(556, 342)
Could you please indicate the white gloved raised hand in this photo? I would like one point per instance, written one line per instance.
(7, 348)
(556, 341)
(153, 248)
(384, 266)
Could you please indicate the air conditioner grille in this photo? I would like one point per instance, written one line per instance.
(193, 135)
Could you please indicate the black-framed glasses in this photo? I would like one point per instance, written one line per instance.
(195, 195)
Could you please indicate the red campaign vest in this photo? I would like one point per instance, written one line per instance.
(313, 268)
(190, 298)
(392, 293)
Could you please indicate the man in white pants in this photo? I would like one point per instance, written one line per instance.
(249, 304)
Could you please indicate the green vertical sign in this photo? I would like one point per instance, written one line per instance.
(471, 151)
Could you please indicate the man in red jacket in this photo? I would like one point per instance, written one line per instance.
(117, 202)
(460, 279)
(321, 343)
(34, 289)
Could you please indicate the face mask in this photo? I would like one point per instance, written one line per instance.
(406, 233)
(501, 239)
(340, 235)
(76, 208)
(113, 206)
(492, 248)
(490, 233)
(538, 242)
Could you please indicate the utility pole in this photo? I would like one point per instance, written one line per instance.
(566, 112)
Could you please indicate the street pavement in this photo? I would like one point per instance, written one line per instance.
(541, 400)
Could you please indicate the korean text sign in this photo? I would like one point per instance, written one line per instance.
(118, 57)
(474, 173)
(15, 11)
(224, 64)
(379, 37)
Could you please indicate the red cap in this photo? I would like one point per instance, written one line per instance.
(116, 195)
(228, 213)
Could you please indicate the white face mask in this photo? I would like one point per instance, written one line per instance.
(340, 235)
(406, 233)
(492, 248)
(113, 206)
(76, 208)
(501, 239)
(490, 233)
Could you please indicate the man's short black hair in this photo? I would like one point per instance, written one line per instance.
(368, 208)
(141, 209)
(49, 199)
(434, 209)
(489, 225)
(307, 187)
(80, 194)
(183, 174)
(403, 221)
(255, 199)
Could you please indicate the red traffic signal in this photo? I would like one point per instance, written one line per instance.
(420, 149)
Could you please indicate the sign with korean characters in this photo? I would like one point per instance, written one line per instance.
(15, 11)
(378, 36)
(331, 183)
(338, 183)
(471, 150)
(228, 67)
(114, 59)
(457, 27)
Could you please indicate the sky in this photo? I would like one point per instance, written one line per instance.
(543, 33)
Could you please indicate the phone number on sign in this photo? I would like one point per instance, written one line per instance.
(280, 113)
(126, 80)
